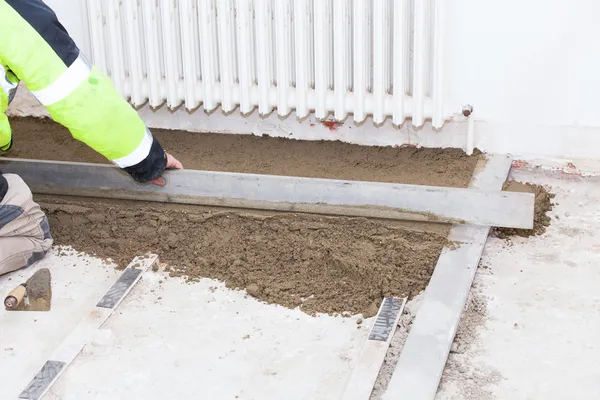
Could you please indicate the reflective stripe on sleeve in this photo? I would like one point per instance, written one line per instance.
(7, 86)
(139, 154)
(66, 84)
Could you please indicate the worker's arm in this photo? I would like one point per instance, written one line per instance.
(40, 52)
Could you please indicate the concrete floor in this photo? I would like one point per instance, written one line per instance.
(529, 332)
(169, 339)
(532, 329)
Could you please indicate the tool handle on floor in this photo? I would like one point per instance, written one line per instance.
(15, 297)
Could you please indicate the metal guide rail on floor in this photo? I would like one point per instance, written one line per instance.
(283, 193)
(74, 343)
(423, 357)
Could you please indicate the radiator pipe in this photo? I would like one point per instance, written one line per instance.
(468, 112)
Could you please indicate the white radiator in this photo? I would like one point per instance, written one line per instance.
(379, 58)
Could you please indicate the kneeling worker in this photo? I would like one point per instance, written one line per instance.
(37, 50)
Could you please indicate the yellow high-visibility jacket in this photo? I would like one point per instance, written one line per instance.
(37, 50)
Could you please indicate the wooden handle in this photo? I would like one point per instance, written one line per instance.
(15, 297)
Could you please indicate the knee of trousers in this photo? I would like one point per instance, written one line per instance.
(18, 193)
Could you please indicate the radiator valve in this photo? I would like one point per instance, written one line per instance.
(467, 110)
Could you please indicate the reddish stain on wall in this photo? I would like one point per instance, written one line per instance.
(332, 125)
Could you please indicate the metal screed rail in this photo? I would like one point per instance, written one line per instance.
(284, 193)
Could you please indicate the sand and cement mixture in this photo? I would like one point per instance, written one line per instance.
(45, 140)
(322, 264)
(543, 205)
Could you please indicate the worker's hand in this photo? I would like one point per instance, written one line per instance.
(172, 163)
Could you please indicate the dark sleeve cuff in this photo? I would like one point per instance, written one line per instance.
(151, 167)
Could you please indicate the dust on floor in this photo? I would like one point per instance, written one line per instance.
(322, 264)
(462, 378)
(45, 140)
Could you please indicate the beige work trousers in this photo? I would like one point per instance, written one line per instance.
(24, 230)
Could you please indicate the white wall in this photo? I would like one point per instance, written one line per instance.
(533, 61)
(531, 68)
(73, 16)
